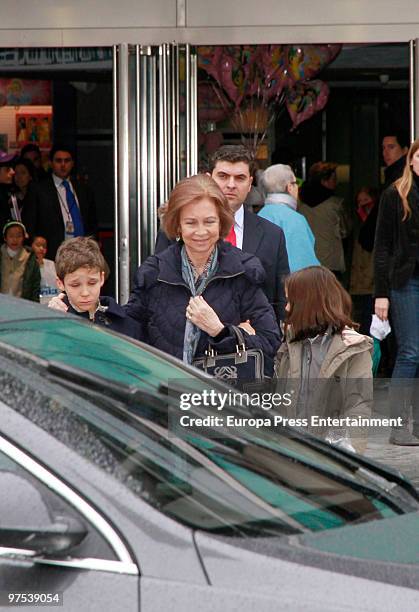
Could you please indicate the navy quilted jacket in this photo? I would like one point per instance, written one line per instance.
(160, 297)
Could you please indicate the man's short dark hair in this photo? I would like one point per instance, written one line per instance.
(233, 154)
(30, 148)
(61, 147)
(401, 136)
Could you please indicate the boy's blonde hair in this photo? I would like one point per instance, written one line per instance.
(80, 252)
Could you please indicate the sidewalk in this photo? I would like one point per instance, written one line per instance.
(402, 458)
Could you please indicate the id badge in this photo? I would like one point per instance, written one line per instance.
(69, 228)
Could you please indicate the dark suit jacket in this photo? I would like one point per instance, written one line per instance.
(43, 216)
(267, 241)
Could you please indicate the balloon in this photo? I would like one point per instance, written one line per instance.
(209, 59)
(306, 99)
(303, 62)
(232, 78)
(234, 67)
(274, 72)
(212, 103)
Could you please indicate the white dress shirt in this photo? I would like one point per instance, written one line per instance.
(62, 197)
(239, 226)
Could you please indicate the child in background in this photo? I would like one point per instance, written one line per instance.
(80, 268)
(47, 269)
(326, 361)
(19, 271)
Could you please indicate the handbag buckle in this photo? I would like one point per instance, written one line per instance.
(210, 355)
(241, 354)
(240, 348)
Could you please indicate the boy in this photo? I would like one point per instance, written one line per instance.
(19, 270)
(80, 270)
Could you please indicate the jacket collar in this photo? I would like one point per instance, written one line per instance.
(170, 269)
(342, 347)
(108, 304)
(281, 198)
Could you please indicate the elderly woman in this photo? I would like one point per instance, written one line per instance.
(188, 296)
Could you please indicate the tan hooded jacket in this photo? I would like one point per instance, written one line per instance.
(348, 362)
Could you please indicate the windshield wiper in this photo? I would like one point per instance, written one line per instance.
(356, 462)
(129, 394)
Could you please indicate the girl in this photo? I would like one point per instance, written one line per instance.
(47, 269)
(19, 271)
(397, 286)
(323, 358)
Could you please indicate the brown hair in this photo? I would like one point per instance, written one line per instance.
(404, 183)
(321, 171)
(80, 252)
(233, 154)
(317, 301)
(194, 189)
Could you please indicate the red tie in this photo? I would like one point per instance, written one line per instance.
(231, 237)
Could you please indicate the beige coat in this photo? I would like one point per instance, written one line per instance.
(362, 271)
(329, 225)
(348, 361)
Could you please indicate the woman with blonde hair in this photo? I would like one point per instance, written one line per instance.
(397, 288)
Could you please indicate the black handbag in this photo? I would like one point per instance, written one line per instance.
(245, 365)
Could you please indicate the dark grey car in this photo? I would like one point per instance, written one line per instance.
(103, 506)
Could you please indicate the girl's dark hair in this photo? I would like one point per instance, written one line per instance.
(28, 165)
(316, 301)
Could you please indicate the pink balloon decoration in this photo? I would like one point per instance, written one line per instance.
(274, 72)
(306, 99)
(232, 78)
(209, 59)
(304, 62)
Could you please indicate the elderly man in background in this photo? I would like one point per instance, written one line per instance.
(280, 185)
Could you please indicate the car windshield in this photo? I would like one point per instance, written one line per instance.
(67, 340)
(242, 484)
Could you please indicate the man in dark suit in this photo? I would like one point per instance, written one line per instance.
(230, 167)
(395, 147)
(62, 208)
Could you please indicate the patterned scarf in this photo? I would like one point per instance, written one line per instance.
(196, 285)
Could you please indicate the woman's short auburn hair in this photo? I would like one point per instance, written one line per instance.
(316, 301)
(194, 189)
